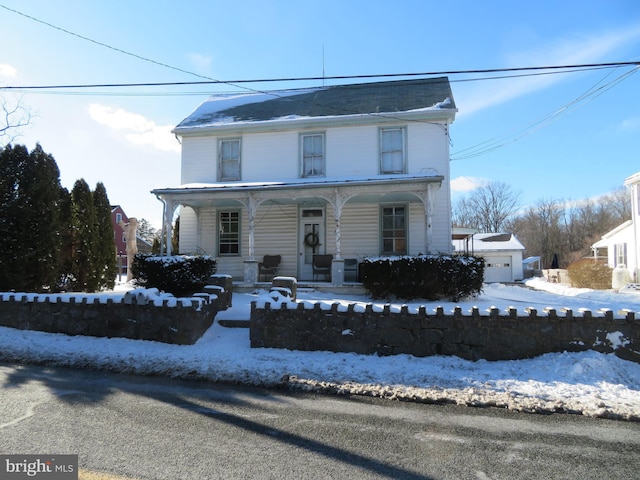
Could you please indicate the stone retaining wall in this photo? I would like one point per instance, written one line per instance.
(177, 321)
(472, 337)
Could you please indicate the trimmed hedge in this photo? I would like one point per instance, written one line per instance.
(432, 277)
(590, 273)
(180, 275)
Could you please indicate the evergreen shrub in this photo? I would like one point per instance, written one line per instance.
(589, 273)
(432, 277)
(180, 275)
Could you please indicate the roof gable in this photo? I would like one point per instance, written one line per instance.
(331, 101)
(622, 231)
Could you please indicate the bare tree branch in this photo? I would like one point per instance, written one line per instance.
(14, 117)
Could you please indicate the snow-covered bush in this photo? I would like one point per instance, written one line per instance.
(432, 277)
(180, 275)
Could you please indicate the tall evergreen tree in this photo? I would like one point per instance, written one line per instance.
(83, 226)
(30, 196)
(65, 274)
(11, 244)
(105, 247)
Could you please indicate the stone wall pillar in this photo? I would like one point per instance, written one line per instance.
(251, 271)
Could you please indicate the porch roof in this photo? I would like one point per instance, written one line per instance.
(375, 184)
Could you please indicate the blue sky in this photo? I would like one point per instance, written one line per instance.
(571, 136)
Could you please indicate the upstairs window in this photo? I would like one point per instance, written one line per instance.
(312, 155)
(228, 233)
(392, 150)
(394, 230)
(229, 160)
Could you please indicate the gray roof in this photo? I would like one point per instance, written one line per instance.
(330, 101)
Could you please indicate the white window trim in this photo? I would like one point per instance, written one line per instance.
(381, 130)
(324, 154)
(220, 142)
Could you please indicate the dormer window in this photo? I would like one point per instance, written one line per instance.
(392, 150)
(312, 146)
(229, 159)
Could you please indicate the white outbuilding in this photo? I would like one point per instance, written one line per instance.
(502, 253)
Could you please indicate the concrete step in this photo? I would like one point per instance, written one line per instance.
(233, 323)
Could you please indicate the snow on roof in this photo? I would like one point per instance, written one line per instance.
(364, 99)
(496, 241)
(487, 242)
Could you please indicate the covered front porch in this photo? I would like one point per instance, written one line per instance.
(347, 220)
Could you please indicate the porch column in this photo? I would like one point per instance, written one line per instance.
(198, 212)
(428, 210)
(251, 265)
(426, 196)
(340, 197)
(338, 201)
(169, 210)
(252, 205)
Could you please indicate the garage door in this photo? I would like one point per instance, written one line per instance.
(497, 269)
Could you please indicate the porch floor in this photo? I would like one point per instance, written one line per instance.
(325, 287)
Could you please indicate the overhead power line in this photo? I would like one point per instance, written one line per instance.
(209, 80)
(477, 150)
(493, 144)
(550, 69)
(119, 50)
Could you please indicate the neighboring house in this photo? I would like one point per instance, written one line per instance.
(621, 245)
(352, 171)
(118, 215)
(502, 253)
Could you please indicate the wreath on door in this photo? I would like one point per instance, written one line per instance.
(311, 240)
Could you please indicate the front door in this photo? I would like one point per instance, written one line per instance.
(311, 240)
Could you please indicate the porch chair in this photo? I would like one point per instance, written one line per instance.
(269, 266)
(321, 266)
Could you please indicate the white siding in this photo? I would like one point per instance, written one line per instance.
(199, 160)
(417, 229)
(208, 229)
(428, 147)
(276, 234)
(197, 235)
(188, 231)
(360, 231)
(350, 151)
(269, 156)
(441, 219)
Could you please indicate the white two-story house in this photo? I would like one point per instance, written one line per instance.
(351, 171)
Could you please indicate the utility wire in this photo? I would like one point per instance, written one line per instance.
(480, 149)
(493, 144)
(119, 50)
(554, 69)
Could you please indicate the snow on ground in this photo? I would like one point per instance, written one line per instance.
(588, 383)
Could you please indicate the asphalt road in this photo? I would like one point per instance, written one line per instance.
(159, 428)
